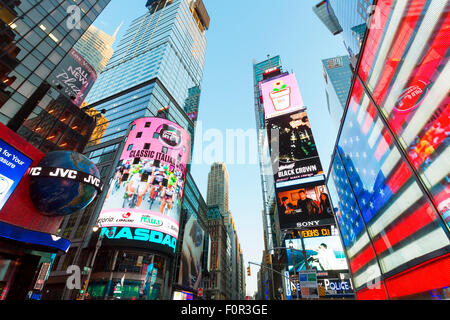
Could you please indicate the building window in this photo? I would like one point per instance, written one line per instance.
(139, 134)
(130, 147)
(146, 146)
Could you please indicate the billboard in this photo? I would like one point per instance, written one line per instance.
(183, 295)
(13, 166)
(138, 238)
(280, 96)
(297, 155)
(305, 206)
(191, 254)
(148, 183)
(322, 254)
(75, 75)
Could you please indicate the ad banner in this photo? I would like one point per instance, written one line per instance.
(280, 96)
(297, 156)
(148, 184)
(305, 206)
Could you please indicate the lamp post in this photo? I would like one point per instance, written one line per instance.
(97, 246)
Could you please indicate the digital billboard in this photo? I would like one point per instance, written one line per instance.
(296, 156)
(183, 295)
(322, 254)
(280, 96)
(304, 206)
(191, 254)
(148, 183)
(138, 238)
(75, 75)
(13, 166)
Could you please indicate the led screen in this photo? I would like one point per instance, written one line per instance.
(147, 186)
(322, 254)
(191, 255)
(304, 207)
(13, 165)
(293, 149)
(280, 96)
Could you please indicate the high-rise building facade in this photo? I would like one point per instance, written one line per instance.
(338, 78)
(95, 46)
(216, 282)
(217, 193)
(351, 17)
(264, 70)
(218, 196)
(158, 59)
(389, 173)
(44, 33)
(303, 219)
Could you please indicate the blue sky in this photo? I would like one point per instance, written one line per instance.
(240, 31)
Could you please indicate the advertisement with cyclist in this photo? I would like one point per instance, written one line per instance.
(148, 184)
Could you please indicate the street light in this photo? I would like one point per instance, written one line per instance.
(97, 246)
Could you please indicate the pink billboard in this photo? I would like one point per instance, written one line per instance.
(280, 96)
(148, 183)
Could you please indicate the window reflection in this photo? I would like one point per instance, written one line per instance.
(405, 64)
(400, 222)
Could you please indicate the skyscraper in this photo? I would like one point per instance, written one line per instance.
(158, 59)
(95, 46)
(217, 193)
(264, 70)
(44, 32)
(338, 79)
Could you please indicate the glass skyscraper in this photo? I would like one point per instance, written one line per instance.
(157, 61)
(40, 37)
(338, 77)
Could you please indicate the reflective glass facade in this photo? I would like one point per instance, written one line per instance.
(42, 38)
(338, 80)
(166, 44)
(390, 167)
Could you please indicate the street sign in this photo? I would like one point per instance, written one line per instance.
(200, 292)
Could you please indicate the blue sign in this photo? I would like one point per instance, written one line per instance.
(13, 166)
(16, 233)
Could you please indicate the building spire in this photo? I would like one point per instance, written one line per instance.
(117, 30)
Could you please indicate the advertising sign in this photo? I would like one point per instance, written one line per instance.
(308, 284)
(306, 206)
(322, 254)
(13, 166)
(337, 287)
(138, 238)
(297, 155)
(280, 96)
(183, 295)
(75, 75)
(191, 254)
(148, 184)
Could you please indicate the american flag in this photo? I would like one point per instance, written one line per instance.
(405, 64)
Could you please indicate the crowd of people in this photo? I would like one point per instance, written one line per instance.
(147, 181)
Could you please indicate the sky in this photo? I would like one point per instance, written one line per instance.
(243, 31)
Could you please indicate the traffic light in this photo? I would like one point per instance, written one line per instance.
(268, 259)
(248, 271)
